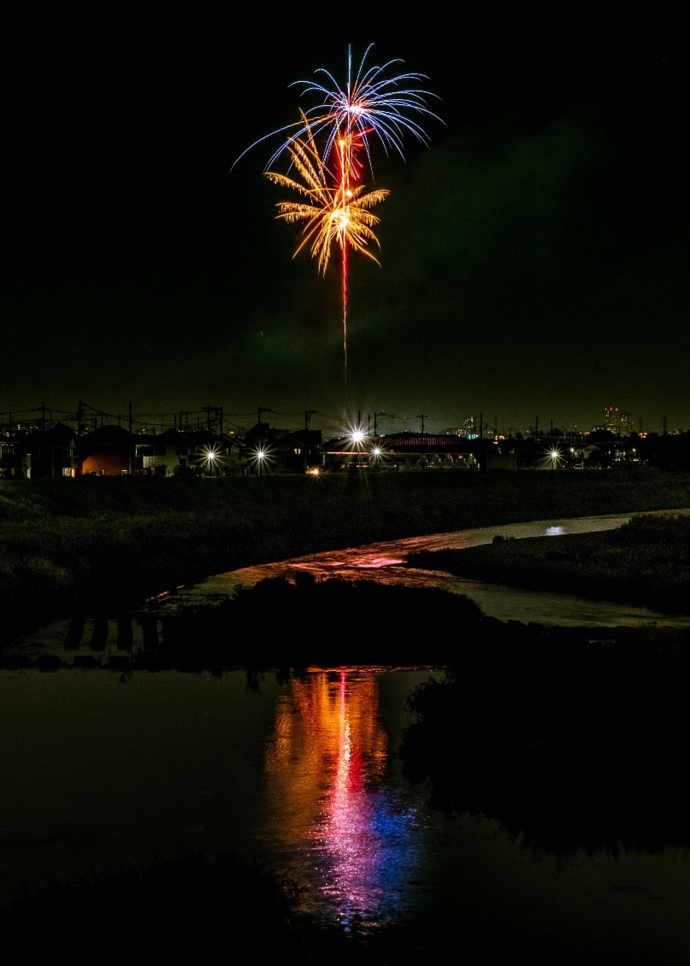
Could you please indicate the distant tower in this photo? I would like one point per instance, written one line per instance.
(611, 420)
(626, 423)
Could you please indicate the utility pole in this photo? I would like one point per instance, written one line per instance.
(308, 413)
(129, 414)
(261, 409)
(423, 416)
(217, 418)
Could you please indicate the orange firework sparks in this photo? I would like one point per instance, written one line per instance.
(334, 210)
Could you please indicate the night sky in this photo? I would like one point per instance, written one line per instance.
(534, 260)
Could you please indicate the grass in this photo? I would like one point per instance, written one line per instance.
(645, 562)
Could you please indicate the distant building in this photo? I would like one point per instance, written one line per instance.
(616, 421)
(611, 420)
(298, 451)
(469, 428)
(108, 451)
(52, 451)
(9, 465)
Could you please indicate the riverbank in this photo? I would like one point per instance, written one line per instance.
(94, 545)
(645, 562)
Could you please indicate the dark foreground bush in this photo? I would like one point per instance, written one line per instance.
(327, 623)
(570, 744)
(194, 910)
(201, 910)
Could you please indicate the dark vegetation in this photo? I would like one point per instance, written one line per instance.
(327, 624)
(288, 627)
(645, 562)
(93, 544)
(570, 742)
(198, 909)
(191, 910)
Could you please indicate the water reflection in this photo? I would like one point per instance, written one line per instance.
(332, 809)
(170, 763)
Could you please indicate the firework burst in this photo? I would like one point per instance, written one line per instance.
(369, 104)
(333, 211)
(336, 209)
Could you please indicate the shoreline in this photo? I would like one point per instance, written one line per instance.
(106, 545)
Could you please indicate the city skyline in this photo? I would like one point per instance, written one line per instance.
(619, 421)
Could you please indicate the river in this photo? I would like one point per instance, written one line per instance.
(385, 563)
(101, 769)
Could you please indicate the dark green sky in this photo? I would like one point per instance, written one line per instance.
(534, 260)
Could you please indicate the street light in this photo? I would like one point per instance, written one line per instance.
(260, 456)
(211, 458)
(555, 456)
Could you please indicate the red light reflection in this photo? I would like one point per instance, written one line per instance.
(347, 832)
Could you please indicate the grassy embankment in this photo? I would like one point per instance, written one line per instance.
(88, 545)
(646, 562)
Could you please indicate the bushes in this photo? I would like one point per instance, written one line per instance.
(570, 744)
(327, 623)
(645, 562)
(188, 910)
(111, 542)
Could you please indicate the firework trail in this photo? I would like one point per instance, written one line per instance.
(371, 105)
(334, 210)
